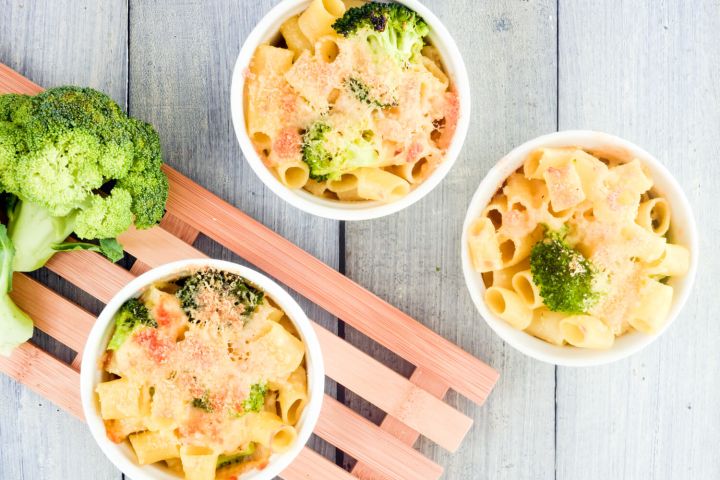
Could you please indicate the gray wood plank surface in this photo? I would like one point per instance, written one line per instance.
(649, 71)
(58, 43)
(182, 54)
(412, 258)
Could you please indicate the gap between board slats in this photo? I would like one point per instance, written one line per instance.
(310, 465)
(328, 288)
(407, 403)
(45, 375)
(46, 307)
(363, 440)
(474, 388)
(52, 313)
(179, 229)
(424, 380)
(346, 364)
(56, 381)
(396, 422)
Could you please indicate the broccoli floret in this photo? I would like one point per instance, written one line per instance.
(329, 153)
(256, 399)
(206, 290)
(11, 105)
(103, 217)
(147, 184)
(131, 316)
(77, 163)
(239, 456)
(15, 326)
(362, 92)
(390, 29)
(565, 277)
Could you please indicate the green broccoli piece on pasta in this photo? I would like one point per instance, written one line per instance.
(225, 460)
(132, 315)
(390, 29)
(218, 285)
(256, 399)
(363, 93)
(203, 403)
(566, 278)
(329, 153)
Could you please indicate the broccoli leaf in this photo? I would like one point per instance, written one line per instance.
(329, 153)
(112, 249)
(362, 92)
(109, 247)
(224, 284)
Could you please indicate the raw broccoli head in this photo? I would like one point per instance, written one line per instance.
(131, 316)
(329, 153)
(208, 289)
(75, 158)
(70, 142)
(390, 28)
(565, 277)
(11, 141)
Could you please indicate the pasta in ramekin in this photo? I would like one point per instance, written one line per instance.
(202, 369)
(575, 248)
(351, 104)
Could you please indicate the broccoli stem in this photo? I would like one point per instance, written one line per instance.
(33, 232)
(15, 326)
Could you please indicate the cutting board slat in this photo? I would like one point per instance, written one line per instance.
(414, 405)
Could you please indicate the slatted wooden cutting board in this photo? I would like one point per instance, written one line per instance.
(414, 406)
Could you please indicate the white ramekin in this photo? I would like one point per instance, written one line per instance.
(268, 29)
(90, 375)
(683, 231)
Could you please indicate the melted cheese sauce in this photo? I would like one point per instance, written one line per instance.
(601, 207)
(199, 373)
(417, 118)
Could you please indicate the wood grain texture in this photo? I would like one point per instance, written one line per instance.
(310, 465)
(360, 438)
(416, 408)
(180, 64)
(58, 43)
(329, 289)
(430, 383)
(355, 370)
(649, 72)
(645, 70)
(47, 308)
(412, 258)
(50, 378)
(338, 425)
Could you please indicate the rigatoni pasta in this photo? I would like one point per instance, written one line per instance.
(575, 248)
(358, 96)
(204, 373)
